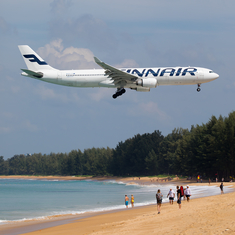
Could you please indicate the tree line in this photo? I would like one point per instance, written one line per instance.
(206, 149)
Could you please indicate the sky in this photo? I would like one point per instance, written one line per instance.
(39, 117)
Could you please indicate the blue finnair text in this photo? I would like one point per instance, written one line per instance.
(164, 72)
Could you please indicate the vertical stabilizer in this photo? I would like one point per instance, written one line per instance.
(33, 61)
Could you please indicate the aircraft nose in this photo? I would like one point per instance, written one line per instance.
(214, 76)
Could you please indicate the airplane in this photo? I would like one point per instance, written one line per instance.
(139, 79)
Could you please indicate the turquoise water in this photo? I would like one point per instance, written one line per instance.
(30, 199)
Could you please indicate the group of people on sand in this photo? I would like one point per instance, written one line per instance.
(127, 201)
(180, 192)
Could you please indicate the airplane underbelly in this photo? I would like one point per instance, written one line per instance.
(85, 83)
(180, 80)
(72, 81)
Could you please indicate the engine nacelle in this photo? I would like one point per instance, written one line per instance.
(147, 82)
(143, 89)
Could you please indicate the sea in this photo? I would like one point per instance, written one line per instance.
(24, 199)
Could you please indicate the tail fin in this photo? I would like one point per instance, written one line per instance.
(33, 61)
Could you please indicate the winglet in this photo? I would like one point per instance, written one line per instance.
(101, 64)
(97, 60)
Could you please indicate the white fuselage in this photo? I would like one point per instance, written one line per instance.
(98, 78)
(139, 79)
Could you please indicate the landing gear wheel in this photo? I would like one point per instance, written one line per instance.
(198, 87)
(119, 92)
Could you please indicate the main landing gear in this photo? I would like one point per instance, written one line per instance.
(198, 87)
(119, 92)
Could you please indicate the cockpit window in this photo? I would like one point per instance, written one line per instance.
(211, 71)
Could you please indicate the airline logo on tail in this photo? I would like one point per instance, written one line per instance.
(35, 59)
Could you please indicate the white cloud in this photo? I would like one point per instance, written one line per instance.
(68, 58)
(127, 63)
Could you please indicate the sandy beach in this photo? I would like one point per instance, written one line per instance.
(207, 215)
(140, 180)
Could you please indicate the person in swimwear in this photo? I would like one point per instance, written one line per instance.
(126, 201)
(132, 201)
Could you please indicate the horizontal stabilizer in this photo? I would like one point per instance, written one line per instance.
(32, 73)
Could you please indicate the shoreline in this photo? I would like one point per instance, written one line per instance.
(139, 180)
(60, 220)
(201, 216)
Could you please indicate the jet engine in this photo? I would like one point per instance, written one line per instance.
(143, 89)
(147, 82)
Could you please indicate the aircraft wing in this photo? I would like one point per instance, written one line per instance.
(118, 76)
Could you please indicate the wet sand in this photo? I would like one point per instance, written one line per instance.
(208, 215)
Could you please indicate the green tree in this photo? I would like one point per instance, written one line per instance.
(151, 162)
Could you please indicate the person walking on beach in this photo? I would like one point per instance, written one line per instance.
(182, 191)
(222, 188)
(159, 197)
(132, 200)
(185, 193)
(126, 201)
(178, 196)
(188, 193)
(171, 195)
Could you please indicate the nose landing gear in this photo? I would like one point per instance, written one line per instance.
(119, 92)
(198, 87)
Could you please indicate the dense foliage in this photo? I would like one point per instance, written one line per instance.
(206, 149)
